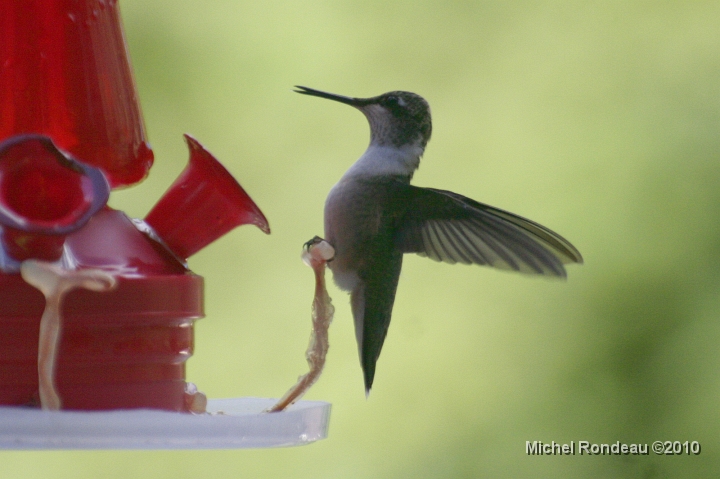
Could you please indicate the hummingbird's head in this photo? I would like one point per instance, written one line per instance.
(397, 118)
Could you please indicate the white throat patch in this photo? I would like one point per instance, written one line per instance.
(386, 161)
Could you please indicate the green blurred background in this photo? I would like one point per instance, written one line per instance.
(599, 120)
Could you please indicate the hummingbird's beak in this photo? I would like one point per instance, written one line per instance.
(356, 102)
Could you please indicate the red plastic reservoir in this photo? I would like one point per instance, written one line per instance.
(120, 349)
(64, 73)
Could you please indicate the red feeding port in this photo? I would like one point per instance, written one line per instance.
(212, 203)
(44, 195)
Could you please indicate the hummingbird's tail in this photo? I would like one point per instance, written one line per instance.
(372, 303)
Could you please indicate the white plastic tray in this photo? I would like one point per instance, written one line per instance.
(229, 424)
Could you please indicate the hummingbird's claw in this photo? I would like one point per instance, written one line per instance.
(309, 244)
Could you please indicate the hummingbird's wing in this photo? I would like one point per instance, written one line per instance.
(449, 227)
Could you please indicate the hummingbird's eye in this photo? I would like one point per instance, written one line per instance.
(394, 102)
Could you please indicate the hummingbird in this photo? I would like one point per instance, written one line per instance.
(373, 216)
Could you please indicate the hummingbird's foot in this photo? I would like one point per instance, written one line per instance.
(309, 244)
(317, 249)
(327, 252)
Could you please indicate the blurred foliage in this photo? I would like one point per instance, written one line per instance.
(597, 119)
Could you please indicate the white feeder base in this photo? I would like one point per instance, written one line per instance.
(229, 424)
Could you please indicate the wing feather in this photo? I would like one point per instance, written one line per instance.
(452, 228)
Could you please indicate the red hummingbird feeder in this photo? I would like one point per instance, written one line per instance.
(70, 130)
